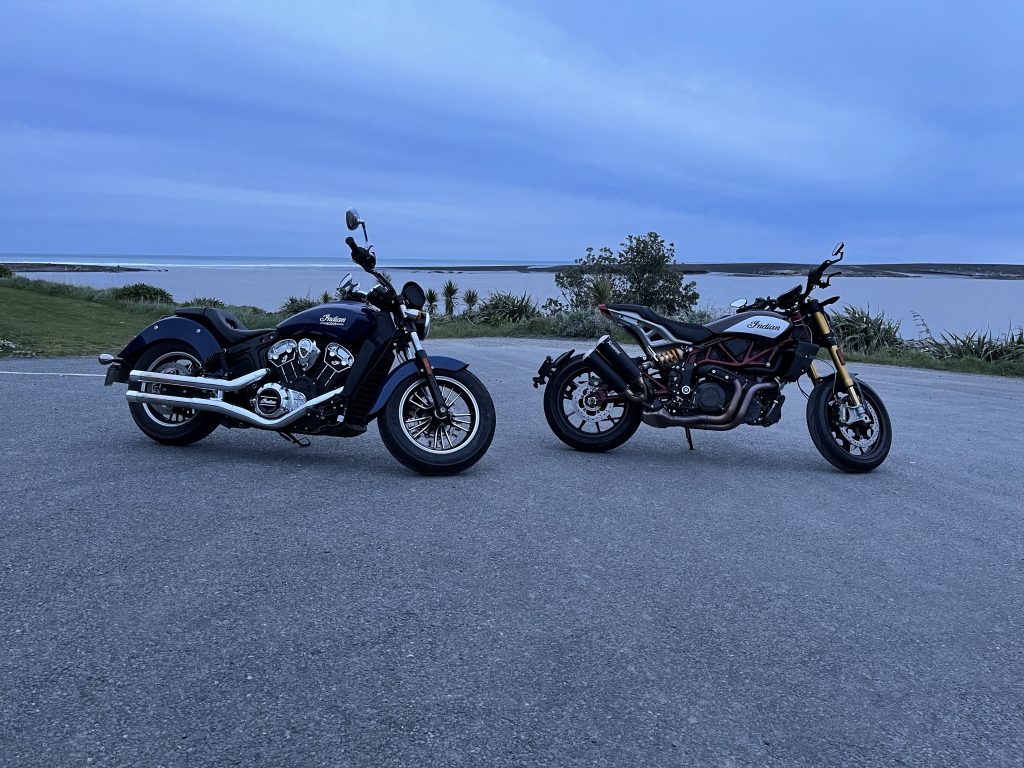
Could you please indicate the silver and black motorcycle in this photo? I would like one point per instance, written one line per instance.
(329, 370)
(718, 376)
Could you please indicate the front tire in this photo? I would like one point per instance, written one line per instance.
(575, 412)
(167, 424)
(431, 446)
(856, 447)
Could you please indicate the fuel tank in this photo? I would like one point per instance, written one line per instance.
(761, 325)
(348, 322)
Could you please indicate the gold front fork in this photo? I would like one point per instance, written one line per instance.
(844, 375)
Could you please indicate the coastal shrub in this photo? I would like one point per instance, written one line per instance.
(643, 271)
(506, 307)
(583, 324)
(295, 304)
(702, 315)
(858, 330)
(141, 292)
(5, 272)
(450, 292)
(204, 301)
(470, 298)
(980, 345)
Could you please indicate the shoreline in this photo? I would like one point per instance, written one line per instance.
(736, 269)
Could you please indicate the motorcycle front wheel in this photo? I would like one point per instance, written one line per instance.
(850, 446)
(430, 445)
(580, 413)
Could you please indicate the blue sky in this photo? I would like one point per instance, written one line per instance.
(513, 132)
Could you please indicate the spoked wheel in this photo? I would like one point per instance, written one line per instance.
(583, 413)
(852, 446)
(433, 445)
(164, 423)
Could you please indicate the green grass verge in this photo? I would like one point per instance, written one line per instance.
(53, 319)
(912, 359)
(64, 325)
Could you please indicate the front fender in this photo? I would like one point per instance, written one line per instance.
(407, 370)
(177, 328)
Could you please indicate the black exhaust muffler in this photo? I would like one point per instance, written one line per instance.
(610, 361)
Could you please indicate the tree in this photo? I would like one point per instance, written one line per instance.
(470, 298)
(450, 291)
(644, 271)
(432, 299)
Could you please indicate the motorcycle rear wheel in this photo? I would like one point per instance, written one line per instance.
(576, 414)
(167, 424)
(854, 447)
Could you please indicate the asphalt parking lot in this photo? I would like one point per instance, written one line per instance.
(247, 602)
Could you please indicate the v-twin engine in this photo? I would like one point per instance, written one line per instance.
(304, 373)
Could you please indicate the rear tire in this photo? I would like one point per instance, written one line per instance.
(850, 447)
(564, 389)
(164, 424)
(431, 447)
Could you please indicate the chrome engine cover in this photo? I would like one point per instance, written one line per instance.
(273, 400)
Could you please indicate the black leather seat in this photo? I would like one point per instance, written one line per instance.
(683, 331)
(224, 325)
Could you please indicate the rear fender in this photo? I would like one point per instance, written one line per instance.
(408, 370)
(167, 329)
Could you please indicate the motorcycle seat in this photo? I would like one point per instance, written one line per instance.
(224, 325)
(691, 332)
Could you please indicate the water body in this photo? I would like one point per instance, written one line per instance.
(946, 303)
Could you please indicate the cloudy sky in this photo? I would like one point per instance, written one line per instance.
(501, 132)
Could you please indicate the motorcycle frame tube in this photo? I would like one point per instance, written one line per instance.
(821, 323)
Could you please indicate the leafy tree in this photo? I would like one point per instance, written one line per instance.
(470, 298)
(450, 291)
(643, 271)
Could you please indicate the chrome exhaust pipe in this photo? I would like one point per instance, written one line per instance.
(216, 405)
(731, 418)
(198, 382)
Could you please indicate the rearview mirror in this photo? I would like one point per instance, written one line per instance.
(352, 220)
(839, 249)
(739, 304)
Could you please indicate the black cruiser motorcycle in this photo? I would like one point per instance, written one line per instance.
(329, 370)
(718, 376)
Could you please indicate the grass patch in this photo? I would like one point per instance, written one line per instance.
(917, 359)
(64, 325)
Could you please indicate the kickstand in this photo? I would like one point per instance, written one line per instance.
(689, 438)
(299, 441)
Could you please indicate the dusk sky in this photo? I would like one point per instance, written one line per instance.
(513, 132)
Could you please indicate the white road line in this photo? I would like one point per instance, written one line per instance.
(49, 373)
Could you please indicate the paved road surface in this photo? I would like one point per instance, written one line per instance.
(247, 602)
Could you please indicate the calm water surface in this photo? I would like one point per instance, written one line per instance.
(946, 303)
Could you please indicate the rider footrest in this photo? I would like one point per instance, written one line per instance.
(548, 367)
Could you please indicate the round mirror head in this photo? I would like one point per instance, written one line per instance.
(352, 220)
(739, 304)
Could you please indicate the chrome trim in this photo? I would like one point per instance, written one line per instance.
(227, 409)
(198, 382)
